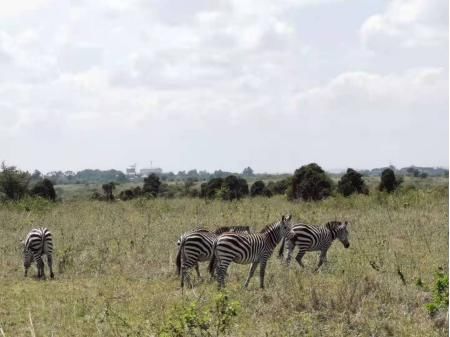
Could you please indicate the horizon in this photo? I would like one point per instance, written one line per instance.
(225, 84)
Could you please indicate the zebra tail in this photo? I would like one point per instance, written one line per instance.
(178, 259)
(281, 252)
(212, 263)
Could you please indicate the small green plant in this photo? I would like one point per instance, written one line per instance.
(440, 294)
(192, 320)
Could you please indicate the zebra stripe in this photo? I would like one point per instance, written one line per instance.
(38, 242)
(314, 238)
(197, 246)
(255, 248)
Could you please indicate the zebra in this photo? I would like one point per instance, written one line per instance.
(197, 246)
(38, 242)
(314, 238)
(255, 248)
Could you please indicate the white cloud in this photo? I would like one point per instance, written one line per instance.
(408, 23)
(18, 7)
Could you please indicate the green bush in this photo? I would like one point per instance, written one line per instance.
(352, 182)
(389, 181)
(192, 320)
(44, 189)
(259, 189)
(440, 294)
(152, 185)
(310, 182)
(13, 182)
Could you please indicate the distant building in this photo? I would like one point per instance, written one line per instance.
(131, 171)
(145, 172)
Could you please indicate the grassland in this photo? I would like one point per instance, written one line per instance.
(115, 268)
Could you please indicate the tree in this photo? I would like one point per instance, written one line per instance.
(13, 182)
(310, 182)
(389, 182)
(152, 185)
(248, 172)
(44, 189)
(211, 188)
(280, 186)
(108, 190)
(233, 188)
(259, 189)
(352, 182)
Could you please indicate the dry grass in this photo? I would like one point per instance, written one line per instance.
(115, 273)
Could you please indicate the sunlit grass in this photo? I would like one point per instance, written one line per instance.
(115, 273)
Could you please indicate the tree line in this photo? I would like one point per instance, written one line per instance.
(309, 183)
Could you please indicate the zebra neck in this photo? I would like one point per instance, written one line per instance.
(333, 234)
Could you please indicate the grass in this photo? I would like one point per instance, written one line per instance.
(115, 268)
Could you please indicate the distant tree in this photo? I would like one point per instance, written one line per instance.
(210, 189)
(127, 194)
(248, 172)
(310, 182)
(36, 176)
(423, 175)
(352, 182)
(44, 189)
(389, 182)
(152, 185)
(412, 171)
(13, 182)
(259, 189)
(280, 186)
(108, 190)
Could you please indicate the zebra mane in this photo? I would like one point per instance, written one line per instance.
(268, 228)
(224, 229)
(333, 225)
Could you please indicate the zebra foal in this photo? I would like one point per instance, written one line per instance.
(197, 246)
(314, 238)
(38, 242)
(255, 248)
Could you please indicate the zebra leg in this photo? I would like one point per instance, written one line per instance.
(250, 273)
(197, 269)
(262, 272)
(50, 265)
(40, 265)
(299, 258)
(221, 271)
(290, 248)
(322, 259)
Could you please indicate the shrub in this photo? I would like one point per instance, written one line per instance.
(352, 182)
(233, 188)
(44, 189)
(191, 320)
(280, 186)
(389, 182)
(259, 189)
(440, 294)
(211, 188)
(13, 182)
(152, 185)
(126, 194)
(108, 191)
(310, 182)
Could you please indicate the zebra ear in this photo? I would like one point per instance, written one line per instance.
(288, 218)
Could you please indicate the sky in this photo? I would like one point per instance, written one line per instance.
(223, 84)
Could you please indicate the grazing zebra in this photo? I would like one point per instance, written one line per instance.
(255, 248)
(37, 243)
(314, 238)
(197, 246)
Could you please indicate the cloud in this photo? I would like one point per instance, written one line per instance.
(408, 23)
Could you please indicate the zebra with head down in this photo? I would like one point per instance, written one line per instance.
(314, 238)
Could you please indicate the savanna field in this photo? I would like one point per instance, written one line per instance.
(115, 269)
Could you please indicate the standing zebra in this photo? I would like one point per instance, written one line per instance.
(255, 248)
(197, 246)
(38, 242)
(314, 238)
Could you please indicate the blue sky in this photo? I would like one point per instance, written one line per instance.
(223, 84)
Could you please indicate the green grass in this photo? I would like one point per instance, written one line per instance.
(115, 272)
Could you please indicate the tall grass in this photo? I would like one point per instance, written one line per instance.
(115, 266)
